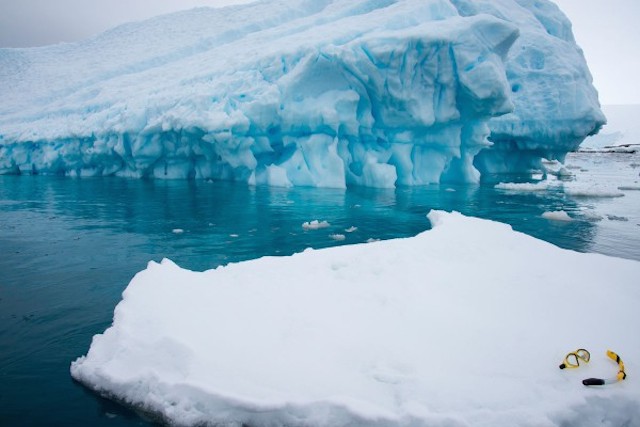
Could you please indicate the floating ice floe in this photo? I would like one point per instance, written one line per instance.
(526, 186)
(590, 215)
(315, 225)
(575, 188)
(592, 191)
(617, 218)
(629, 188)
(557, 216)
(462, 325)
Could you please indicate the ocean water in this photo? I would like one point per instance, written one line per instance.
(70, 246)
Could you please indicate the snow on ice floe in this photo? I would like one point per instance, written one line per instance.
(462, 325)
(324, 93)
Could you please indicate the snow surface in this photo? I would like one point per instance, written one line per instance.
(324, 93)
(462, 325)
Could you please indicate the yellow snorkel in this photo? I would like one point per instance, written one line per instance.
(572, 360)
(621, 375)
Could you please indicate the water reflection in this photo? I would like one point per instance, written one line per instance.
(221, 222)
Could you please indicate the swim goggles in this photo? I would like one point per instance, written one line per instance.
(572, 360)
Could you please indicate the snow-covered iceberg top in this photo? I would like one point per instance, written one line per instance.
(304, 92)
(462, 325)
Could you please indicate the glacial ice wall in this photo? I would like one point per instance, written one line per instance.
(556, 105)
(304, 92)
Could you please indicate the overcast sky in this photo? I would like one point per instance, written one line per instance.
(607, 30)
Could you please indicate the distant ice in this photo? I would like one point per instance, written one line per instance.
(620, 134)
(525, 186)
(592, 191)
(338, 237)
(591, 215)
(617, 218)
(574, 189)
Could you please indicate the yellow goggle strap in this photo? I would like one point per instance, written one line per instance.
(621, 375)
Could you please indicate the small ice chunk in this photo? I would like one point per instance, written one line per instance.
(564, 172)
(351, 229)
(315, 225)
(592, 216)
(592, 192)
(177, 231)
(557, 216)
(338, 237)
(524, 186)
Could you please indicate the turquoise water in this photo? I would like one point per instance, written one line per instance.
(70, 246)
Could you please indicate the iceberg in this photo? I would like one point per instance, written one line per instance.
(325, 93)
(462, 325)
(556, 105)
